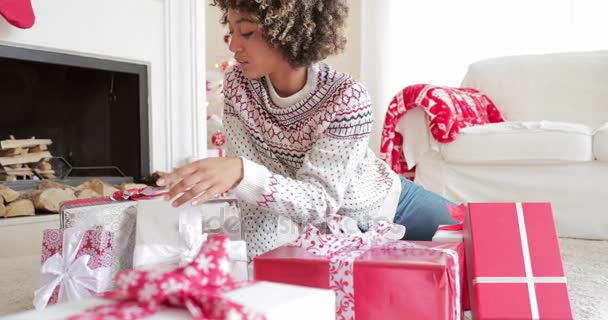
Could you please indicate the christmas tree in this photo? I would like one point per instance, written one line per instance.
(215, 102)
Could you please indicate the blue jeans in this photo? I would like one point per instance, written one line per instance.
(421, 211)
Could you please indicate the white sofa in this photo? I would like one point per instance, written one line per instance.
(553, 147)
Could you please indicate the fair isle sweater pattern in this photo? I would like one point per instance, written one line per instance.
(305, 161)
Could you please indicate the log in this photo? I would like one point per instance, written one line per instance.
(38, 148)
(98, 186)
(26, 158)
(44, 166)
(129, 186)
(45, 172)
(46, 184)
(7, 177)
(51, 199)
(13, 152)
(20, 208)
(28, 194)
(18, 171)
(45, 169)
(8, 194)
(87, 194)
(23, 143)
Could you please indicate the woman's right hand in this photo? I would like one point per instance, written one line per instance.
(202, 179)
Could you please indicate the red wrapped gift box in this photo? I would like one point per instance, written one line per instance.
(514, 262)
(388, 283)
(455, 236)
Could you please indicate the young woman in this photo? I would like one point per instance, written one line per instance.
(297, 131)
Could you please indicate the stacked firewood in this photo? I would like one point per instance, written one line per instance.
(50, 195)
(20, 158)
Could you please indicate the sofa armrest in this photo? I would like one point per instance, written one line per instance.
(414, 128)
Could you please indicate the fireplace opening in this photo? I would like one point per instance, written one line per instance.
(95, 112)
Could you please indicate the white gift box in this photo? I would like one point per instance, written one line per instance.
(168, 236)
(447, 235)
(222, 216)
(275, 300)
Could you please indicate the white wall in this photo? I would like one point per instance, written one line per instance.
(348, 61)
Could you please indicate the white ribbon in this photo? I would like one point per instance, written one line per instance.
(191, 232)
(74, 277)
(529, 279)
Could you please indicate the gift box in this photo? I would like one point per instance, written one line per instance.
(275, 301)
(222, 216)
(451, 233)
(446, 235)
(169, 236)
(203, 289)
(110, 213)
(118, 214)
(75, 264)
(372, 279)
(514, 262)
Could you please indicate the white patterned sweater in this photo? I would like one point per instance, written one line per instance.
(305, 161)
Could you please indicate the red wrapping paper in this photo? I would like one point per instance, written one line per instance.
(515, 269)
(388, 283)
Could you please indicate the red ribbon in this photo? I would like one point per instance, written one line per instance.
(134, 195)
(457, 213)
(197, 287)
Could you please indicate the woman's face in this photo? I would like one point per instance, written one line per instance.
(251, 51)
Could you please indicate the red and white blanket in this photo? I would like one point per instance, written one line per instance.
(448, 110)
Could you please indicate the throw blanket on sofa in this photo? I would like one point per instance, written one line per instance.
(448, 110)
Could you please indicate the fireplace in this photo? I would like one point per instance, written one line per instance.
(166, 37)
(94, 110)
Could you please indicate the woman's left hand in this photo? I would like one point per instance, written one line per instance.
(202, 179)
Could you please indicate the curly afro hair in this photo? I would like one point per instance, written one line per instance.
(306, 31)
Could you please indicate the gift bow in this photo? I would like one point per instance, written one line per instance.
(76, 280)
(457, 213)
(191, 231)
(346, 243)
(198, 287)
(136, 194)
(346, 236)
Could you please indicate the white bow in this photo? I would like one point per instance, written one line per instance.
(73, 276)
(191, 231)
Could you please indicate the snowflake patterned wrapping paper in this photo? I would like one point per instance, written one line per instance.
(202, 289)
(75, 264)
(389, 279)
(119, 217)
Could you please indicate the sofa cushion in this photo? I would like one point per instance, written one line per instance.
(567, 87)
(600, 143)
(538, 141)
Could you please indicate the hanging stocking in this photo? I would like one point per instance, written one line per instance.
(18, 13)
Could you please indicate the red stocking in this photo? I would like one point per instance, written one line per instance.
(18, 13)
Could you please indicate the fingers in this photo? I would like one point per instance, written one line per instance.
(191, 193)
(186, 183)
(200, 180)
(178, 174)
(210, 193)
